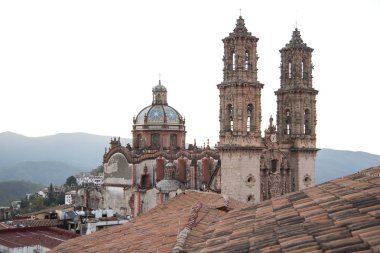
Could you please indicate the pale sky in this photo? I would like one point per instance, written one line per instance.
(89, 66)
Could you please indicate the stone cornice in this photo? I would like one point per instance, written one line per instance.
(154, 154)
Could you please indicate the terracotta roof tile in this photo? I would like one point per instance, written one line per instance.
(157, 230)
(342, 215)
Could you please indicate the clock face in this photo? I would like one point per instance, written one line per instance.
(273, 138)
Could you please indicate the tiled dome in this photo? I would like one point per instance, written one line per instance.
(155, 114)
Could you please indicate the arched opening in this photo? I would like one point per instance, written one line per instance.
(290, 70)
(246, 60)
(233, 61)
(230, 117)
(273, 165)
(173, 141)
(302, 67)
(307, 129)
(288, 121)
(138, 142)
(155, 140)
(250, 118)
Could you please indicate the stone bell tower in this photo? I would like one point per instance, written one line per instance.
(296, 110)
(240, 141)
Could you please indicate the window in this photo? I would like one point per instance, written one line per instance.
(274, 165)
(288, 122)
(138, 142)
(155, 140)
(302, 69)
(246, 60)
(173, 141)
(230, 117)
(306, 117)
(233, 61)
(290, 70)
(250, 118)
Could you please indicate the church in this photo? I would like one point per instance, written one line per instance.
(247, 164)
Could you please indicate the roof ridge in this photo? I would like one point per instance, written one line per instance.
(191, 223)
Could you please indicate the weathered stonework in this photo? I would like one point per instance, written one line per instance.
(284, 159)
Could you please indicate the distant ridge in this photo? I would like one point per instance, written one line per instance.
(333, 164)
(43, 173)
(76, 149)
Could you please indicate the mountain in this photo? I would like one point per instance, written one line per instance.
(44, 173)
(16, 190)
(75, 149)
(331, 164)
(54, 158)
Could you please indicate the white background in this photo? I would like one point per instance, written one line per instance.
(89, 66)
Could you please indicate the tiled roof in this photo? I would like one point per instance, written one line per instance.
(36, 223)
(51, 209)
(157, 230)
(47, 237)
(342, 215)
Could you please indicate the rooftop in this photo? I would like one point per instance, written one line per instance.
(47, 237)
(342, 215)
(157, 230)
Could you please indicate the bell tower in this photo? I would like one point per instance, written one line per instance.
(296, 110)
(240, 141)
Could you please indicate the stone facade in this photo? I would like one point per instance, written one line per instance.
(246, 165)
(157, 166)
(256, 168)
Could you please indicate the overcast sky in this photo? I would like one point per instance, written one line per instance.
(89, 66)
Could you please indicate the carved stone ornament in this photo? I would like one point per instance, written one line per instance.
(274, 185)
(250, 180)
(307, 180)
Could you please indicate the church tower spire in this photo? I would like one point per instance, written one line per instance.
(240, 92)
(240, 141)
(296, 98)
(296, 110)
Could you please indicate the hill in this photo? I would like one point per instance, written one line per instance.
(15, 190)
(77, 149)
(331, 164)
(44, 173)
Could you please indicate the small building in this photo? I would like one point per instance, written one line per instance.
(5, 213)
(32, 239)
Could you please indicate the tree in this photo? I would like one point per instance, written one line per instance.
(70, 182)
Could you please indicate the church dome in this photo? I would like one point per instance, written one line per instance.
(159, 126)
(158, 114)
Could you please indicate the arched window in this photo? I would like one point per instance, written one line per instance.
(246, 60)
(139, 141)
(273, 166)
(173, 141)
(306, 117)
(288, 121)
(302, 67)
(155, 141)
(233, 61)
(290, 69)
(250, 118)
(230, 117)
